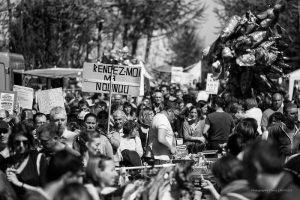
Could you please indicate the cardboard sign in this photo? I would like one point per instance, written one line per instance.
(125, 79)
(212, 86)
(8, 100)
(104, 87)
(176, 74)
(48, 99)
(25, 96)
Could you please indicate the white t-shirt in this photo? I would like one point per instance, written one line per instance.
(160, 151)
(132, 144)
(202, 95)
(256, 114)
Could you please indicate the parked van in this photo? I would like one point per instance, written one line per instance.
(12, 67)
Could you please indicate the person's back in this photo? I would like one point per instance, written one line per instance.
(221, 124)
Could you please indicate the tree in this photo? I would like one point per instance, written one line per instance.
(287, 18)
(141, 18)
(53, 32)
(187, 46)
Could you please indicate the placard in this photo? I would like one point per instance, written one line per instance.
(125, 79)
(25, 96)
(104, 87)
(176, 74)
(212, 86)
(48, 99)
(8, 101)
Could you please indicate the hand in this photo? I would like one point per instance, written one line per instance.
(202, 139)
(12, 177)
(173, 150)
(206, 184)
(5, 152)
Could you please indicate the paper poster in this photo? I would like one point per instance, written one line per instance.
(8, 101)
(48, 99)
(25, 96)
(212, 85)
(176, 74)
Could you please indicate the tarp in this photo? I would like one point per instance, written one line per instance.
(55, 72)
(293, 76)
(195, 70)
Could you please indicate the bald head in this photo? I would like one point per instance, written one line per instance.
(277, 101)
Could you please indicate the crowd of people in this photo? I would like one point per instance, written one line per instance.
(72, 152)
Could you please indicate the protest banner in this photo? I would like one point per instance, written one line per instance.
(8, 100)
(48, 99)
(25, 96)
(176, 74)
(212, 85)
(125, 80)
(104, 87)
(112, 79)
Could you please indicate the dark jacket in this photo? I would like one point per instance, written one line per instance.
(238, 190)
(288, 145)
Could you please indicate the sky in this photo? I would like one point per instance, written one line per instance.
(208, 29)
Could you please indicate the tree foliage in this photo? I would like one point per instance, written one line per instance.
(289, 18)
(65, 32)
(187, 46)
(53, 32)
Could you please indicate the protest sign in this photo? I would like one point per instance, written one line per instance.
(25, 96)
(8, 101)
(176, 74)
(48, 99)
(125, 79)
(104, 87)
(212, 85)
(187, 79)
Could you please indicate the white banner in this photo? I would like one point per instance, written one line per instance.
(176, 74)
(25, 96)
(125, 79)
(48, 99)
(212, 86)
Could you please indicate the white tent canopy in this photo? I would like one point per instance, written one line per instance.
(293, 76)
(55, 72)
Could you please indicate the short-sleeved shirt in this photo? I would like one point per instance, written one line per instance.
(221, 124)
(160, 151)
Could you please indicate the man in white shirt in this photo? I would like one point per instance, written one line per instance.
(58, 116)
(161, 136)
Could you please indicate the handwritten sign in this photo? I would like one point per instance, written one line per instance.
(212, 86)
(25, 96)
(48, 99)
(104, 87)
(176, 74)
(125, 79)
(8, 101)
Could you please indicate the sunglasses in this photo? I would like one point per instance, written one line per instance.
(3, 130)
(18, 142)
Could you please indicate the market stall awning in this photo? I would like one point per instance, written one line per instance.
(55, 72)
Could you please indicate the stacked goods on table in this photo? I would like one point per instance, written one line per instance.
(249, 53)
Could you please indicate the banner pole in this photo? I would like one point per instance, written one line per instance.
(110, 93)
